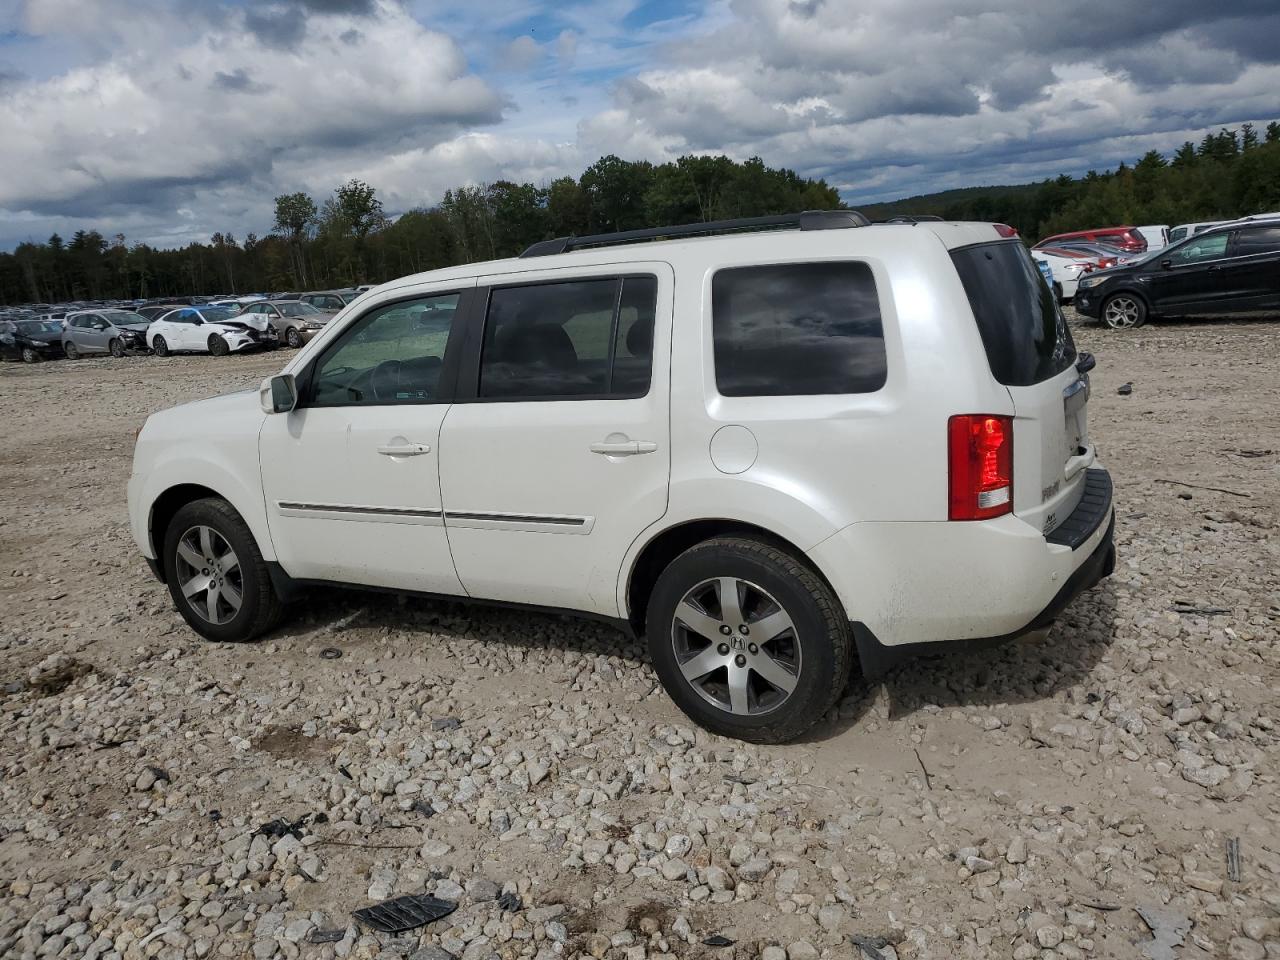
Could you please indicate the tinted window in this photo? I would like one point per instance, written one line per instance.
(797, 329)
(581, 338)
(1023, 331)
(1257, 240)
(394, 354)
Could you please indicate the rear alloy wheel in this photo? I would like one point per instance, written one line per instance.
(217, 346)
(293, 338)
(748, 641)
(30, 356)
(160, 346)
(116, 348)
(1124, 312)
(69, 348)
(216, 574)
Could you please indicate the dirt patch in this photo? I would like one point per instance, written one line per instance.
(290, 743)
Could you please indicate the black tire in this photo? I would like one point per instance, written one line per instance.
(116, 348)
(30, 356)
(1123, 311)
(820, 635)
(260, 608)
(69, 348)
(293, 338)
(1057, 291)
(217, 346)
(160, 346)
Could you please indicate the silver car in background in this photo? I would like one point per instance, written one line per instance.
(296, 322)
(116, 332)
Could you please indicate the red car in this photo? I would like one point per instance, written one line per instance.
(1126, 238)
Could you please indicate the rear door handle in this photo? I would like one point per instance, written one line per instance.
(624, 448)
(404, 449)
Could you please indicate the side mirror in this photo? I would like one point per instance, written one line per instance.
(1085, 362)
(278, 394)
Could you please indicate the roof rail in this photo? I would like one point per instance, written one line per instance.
(808, 220)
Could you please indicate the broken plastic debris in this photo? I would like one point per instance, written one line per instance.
(424, 808)
(716, 940)
(510, 903)
(326, 936)
(446, 723)
(404, 913)
(1167, 926)
(330, 653)
(869, 946)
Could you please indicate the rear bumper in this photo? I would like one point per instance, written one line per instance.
(922, 584)
(876, 659)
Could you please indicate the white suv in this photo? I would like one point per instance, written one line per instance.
(761, 448)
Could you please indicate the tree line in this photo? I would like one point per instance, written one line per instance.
(1228, 174)
(347, 239)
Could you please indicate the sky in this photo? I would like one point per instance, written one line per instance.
(169, 120)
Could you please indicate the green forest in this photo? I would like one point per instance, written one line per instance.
(347, 239)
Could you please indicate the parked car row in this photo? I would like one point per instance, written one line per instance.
(1230, 268)
(217, 327)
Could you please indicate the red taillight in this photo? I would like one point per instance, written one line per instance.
(1006, 231)
(980, 456)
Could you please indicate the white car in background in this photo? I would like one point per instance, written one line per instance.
(1067, 266)
(1184, 230)
(1157, 236)
(207, 329)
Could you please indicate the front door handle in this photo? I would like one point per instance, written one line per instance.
(404, 449)
(624, 448)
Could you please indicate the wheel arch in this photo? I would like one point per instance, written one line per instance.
(671, 541)
(1131, 291)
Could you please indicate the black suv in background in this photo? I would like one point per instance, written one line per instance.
(1231, 268)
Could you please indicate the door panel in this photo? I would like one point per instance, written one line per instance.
(341, 510)
(1194, 281)
(1255, 264)
(543, 497)
(351, 477)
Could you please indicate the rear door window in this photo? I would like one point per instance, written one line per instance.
(1257, 240)
(797, 329)
(570, 340)
(1024, 333)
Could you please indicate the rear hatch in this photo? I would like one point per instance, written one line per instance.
(1031, 353)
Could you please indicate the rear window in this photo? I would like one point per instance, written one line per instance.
(1024, 333)
(797, 329)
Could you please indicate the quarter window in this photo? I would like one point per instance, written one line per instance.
(569, 340)
(394, 354)
(797, 329)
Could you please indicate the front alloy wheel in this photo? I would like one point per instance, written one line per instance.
(209, 574)
(116, 348)
(218, 346)
(216, 575)
(69, 348)
(1123, 312)
(160, 346)
(293, 337)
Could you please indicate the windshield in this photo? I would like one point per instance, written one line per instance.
(218, 314)
(124, 318)
(296, 309)
(37, 327)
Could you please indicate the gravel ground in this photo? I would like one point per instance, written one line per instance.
(161, 796)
